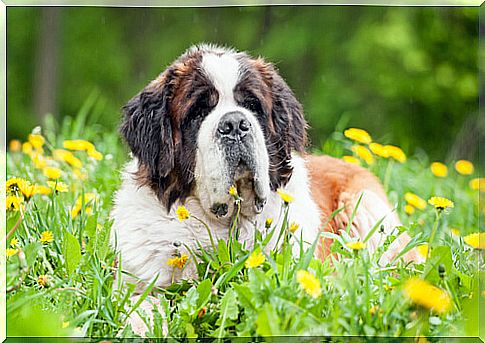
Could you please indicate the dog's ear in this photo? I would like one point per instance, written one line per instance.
(147, 129)
(288, 127)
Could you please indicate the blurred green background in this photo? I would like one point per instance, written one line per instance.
(406, 74)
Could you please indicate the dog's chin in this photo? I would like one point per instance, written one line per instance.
(251, 195)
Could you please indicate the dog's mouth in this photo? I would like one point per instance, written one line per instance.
(249, 194)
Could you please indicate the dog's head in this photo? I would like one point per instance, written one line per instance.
(212, 119)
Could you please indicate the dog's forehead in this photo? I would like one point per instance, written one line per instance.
(222, 70)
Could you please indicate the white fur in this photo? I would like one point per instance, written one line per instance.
(144, 232)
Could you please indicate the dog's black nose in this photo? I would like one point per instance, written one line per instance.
(233, 125)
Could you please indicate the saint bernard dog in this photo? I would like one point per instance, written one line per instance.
(216, 118)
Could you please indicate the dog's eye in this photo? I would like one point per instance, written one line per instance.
(253, 104)
(203, 105)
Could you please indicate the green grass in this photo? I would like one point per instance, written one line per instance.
(358, 297)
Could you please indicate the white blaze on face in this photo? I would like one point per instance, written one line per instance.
(211, 170)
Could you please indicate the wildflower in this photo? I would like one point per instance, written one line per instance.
(27, 148)
(476, 240)
(42, 280)
(44, 190)
(293, 227)
(95, 154)
(268, 222)
(309, 283)
(182, 213)
(455, 232)
(396, 153)
(233, 191)
(409, 209)
(426, 295)
(286, 197)
(358, 135)
(379, 150)
(351, 159)
(65, 325)
(14, 242)
(28, 190)
(439, 169)
(255, 260)
(478, 184)
(13, 202)
(363, 153)
(68, 157)
(37, 141)
(15, 145)
(15, 184)
(46, 237)
(355, 245)
(59, 187)
(179, 261)
(464, 167)
(79, 145)
(88, 197)
(11, 252)
(416, 201)
(440, 203)
(423, 250)
(52, 172)
(38, 160)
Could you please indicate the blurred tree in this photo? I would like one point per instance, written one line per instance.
(406, 74)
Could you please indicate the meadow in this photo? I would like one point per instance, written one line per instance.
(63, 278)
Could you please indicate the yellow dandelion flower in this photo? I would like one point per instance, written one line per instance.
(422, 250)
(358, 135)
(15, 185)
(379, 150)
(44, 190)
(59, 187)
(68, 157)
(46, 237)
(478, 184)
(255, 260)
(441, 203)
(439, 169)
(13, 202)
(37, 141)
(27, 148)
(464, 167)
(42, 280)
(233, 191)
(426, 295)
(286, 197)
(79, 145)
(15, 145)
(309, 283)
(475, 240)
(351, 159)
(293, 227)
(28, 190)
(52, 172)
(11, 251)
(416, 201)
(93, 153)
(356, 245)
(88, 197)
(363, 153)
(455, 232)
(38, 160)
(396, 153)
(409, 209)
(14, 242)
(178, 262)
(182, 213)
(268, 222)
